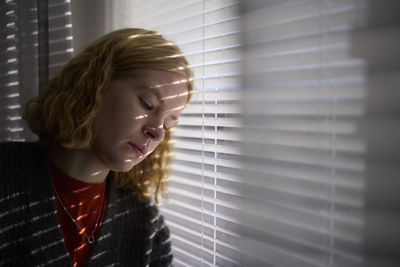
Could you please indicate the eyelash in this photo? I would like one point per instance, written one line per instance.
(146, 106)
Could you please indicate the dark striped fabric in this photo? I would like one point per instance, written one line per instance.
(133, 233)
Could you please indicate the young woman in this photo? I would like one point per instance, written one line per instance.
(84, 194)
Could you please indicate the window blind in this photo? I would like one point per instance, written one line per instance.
(287, 156)
(200, 214)
(35, 43)
(318, 78)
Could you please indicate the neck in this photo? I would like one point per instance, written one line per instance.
(80, 164)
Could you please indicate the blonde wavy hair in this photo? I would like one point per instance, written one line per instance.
(64, 113)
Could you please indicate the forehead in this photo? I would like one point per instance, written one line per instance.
(164, 84)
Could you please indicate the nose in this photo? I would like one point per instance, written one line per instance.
(155, 133)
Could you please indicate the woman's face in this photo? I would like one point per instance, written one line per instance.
(136, 111)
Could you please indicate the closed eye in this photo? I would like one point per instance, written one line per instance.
(146, 105)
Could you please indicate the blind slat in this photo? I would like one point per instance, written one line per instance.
(270, 164)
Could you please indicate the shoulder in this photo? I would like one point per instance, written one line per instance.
(137, 225)
(12, 146)
(19, 150)
(20, 157)
(9, 148)
(161, 251)
(126, 201)
(124, 205)
(22, 165)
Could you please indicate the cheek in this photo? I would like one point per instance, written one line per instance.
(119, 115)
(154, 146)
(112, 127)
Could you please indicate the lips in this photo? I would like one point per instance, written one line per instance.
(140, 150)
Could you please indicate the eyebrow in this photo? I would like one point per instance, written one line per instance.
(147, 88)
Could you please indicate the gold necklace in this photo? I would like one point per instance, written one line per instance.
(90, 238)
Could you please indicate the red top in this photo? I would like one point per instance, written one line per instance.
(82, 201)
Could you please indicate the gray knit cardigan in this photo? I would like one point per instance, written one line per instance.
(133, 233)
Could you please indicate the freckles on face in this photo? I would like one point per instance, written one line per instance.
(137, 109)
(162, 97)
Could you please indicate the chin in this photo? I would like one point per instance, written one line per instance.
(125, 166)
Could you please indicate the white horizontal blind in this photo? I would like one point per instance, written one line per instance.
(201, 215)
(22, 51)
(320, 78)
(305, 177)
